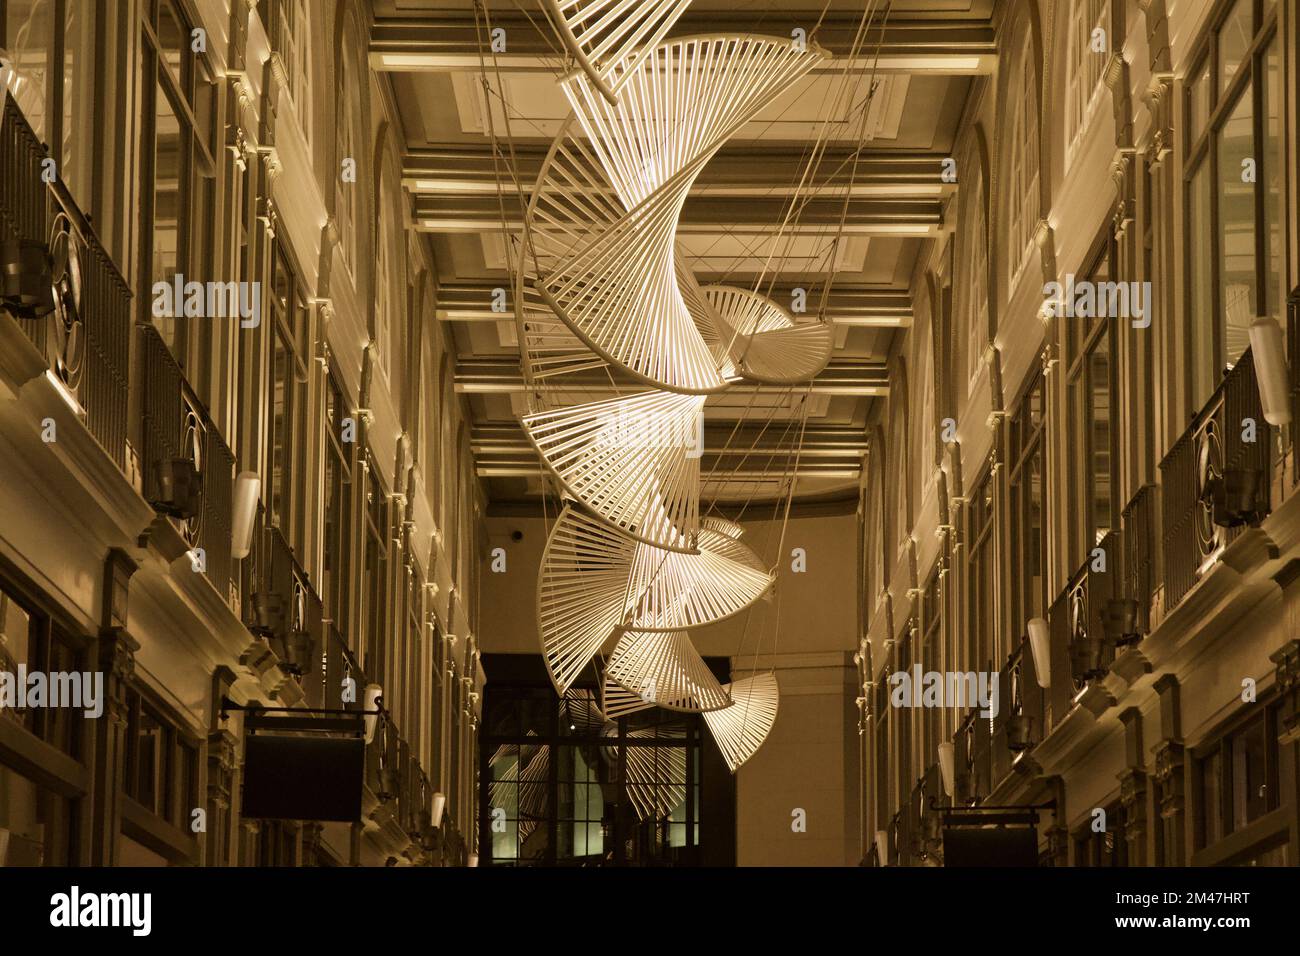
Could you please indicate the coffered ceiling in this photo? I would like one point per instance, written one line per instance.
(465, 198)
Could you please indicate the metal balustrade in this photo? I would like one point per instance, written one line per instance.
(1140, 572)
(1214, 481)
(178, 435)
(86, 341)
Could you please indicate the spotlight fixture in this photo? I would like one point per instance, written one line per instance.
(1268, 348)
(248, 487)
(947, 766)
(1040, 646)
(439, 805)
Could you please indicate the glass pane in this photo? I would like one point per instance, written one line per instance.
(1250, 796)
(167, 203)
(78, 99)
(1211, 806)
(282, 371)
(1234, 40)
(1198, 102)
(17, 645)
(29, 40)
(1237, 228)
(1201, 318)
(1099, 435)
(1271, 178)
(171, 38)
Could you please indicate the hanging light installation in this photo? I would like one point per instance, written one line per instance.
(603, 36)
(740, 729)
(666, 670)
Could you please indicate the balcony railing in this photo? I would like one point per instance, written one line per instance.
(188, 469)
(1140, 571)
(79, 310)
(1214, 480)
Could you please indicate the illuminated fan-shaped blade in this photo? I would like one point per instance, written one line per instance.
(665, 670)
(594, 579)
(723, 526)
(766, 344)
(581, 592)
(598, 244)
(617, 701)
(609, 38)
(633, 461)
(739, 730)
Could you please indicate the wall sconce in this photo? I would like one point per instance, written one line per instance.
(439, 805)
(374, 701)
(947, 766)
(1269, 351)
(1040, 646)
(472, 860)
(882, 847)
(248, 487)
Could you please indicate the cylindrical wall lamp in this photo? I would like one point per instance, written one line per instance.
(248, 486)
(882, 847)
(374, 698)
(439, 805)
(1269, 351)
(1040, 646)
(947, 766)
(473, 860)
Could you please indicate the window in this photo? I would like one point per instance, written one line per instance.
(931, 659)
(30, 638)
(347, 195)
(286, 434)
(381, 333)
(339, 521)
(162, 763)
(1022, 185)
(177, 133)
(980, 580)
(289, 26)
(1233, 181)
(1108, 848)
(376, 573)
(1025, 507)
(1088, 55)
(1092, 395)
(50, 47)
(1237, 780)
(976, 280)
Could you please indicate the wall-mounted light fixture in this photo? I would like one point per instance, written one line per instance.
(1040, 646)
(248, 487)
(439, 805)
(472, 860)
(947, 766)
(374, 700)
(882, 847)
(1268, 348)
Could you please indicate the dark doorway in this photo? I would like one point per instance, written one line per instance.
(562, 786)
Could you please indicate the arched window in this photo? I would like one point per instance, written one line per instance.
(928, 425)
(974, 221)
(384, 298)
(1086, 58)
(1022, 179)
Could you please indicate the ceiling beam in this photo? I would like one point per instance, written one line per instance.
(447, 40)
(884, 216)
(504, 376)
(740, 169)
(826, 451)
(847, 304)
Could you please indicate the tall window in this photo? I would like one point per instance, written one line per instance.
(347, 195)
(1237, 785)
(383, 295)
(286, 451)
(49, 46)
(177, 133)
(1022, 184)
(976, 257)
(289, 25)
(1233, 180)
(1092, 401)
(376, 574)
(339, 522)
(981, 580)
(1025, 506)
(1089, 51)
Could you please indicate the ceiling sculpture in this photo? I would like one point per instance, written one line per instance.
(632, 564)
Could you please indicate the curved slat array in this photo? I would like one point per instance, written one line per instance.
(632, 461)
(739, 730)
(655, 778)
(765, 343)
(595, 579)
(665, 670)
(602, 222)
(608, 38)
(617, 701)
